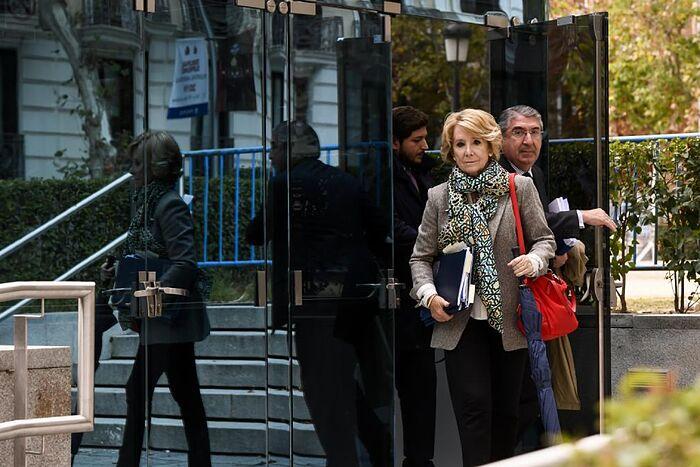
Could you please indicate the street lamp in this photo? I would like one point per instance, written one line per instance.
(456, 48)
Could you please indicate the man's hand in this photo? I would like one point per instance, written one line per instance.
(437, 309)
(598, 217)
(559, 260)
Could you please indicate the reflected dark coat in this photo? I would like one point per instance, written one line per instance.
(172, 226)
(334, 231)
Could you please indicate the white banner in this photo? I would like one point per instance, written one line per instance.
(190, 93)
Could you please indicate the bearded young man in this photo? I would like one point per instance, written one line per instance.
(415, 359)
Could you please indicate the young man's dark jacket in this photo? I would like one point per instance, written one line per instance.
(409, 205)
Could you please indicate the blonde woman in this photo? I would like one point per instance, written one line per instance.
(485, 353)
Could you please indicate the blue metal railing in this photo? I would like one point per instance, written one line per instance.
(248, 156)
(251, 159)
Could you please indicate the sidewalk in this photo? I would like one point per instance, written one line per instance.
(651, 292)
(648, 284)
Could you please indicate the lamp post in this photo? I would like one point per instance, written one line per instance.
(456, 48)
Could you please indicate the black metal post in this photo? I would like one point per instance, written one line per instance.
(456, 86)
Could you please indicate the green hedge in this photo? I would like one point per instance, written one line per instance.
(26, 204)
(664, 175)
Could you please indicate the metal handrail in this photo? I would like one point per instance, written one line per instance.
(65, 214)
(84, 420)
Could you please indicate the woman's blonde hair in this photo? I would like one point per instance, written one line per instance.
(477, 122)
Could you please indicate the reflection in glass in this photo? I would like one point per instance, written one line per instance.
(337, 176)
(162, 229)
(553, 69)
(337, 330)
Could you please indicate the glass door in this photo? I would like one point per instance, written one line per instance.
(332, 179)
(559, 68)
(274, 338)
(197, 390)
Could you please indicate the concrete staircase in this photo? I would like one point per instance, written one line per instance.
(244, 392)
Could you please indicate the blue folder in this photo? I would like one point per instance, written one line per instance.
(447, 276)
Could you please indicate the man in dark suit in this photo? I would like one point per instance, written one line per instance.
(415, 359)
(522, 140)
(522, 129)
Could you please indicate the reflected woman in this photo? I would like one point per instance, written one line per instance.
(162, 227)
(485, 353)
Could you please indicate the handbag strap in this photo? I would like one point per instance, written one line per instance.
(516, 213)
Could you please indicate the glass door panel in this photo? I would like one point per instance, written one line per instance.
(282, 370)
(206, 357)
(560, 69)
(55, 151)
(336, 174)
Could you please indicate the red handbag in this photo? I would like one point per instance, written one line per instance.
(555, 301)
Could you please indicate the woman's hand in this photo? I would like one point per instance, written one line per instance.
(107, 270)
(524, 265)
(437, 306)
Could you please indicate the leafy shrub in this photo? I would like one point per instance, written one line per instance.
(658, 181)
(677, 197)
(655, 429)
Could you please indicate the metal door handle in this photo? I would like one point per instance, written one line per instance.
(598, 284)
(392, 298)
(153, 293)
(261, 289)
(298, 301)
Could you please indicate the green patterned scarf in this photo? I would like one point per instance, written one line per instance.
(468, 223)
(140, 238)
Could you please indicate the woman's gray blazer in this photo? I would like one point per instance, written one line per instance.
(538, 240)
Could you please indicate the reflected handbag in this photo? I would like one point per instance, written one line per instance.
(555, 301)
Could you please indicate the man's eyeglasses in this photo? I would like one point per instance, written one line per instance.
(520, 133)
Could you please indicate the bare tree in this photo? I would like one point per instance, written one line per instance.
(54, 16)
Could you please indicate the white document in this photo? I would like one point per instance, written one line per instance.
(559, 205)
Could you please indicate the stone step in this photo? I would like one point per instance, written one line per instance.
(225, 437)
(226, 344)
(91, 457)
(236, 317)
(240, 374)
(236, 404)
